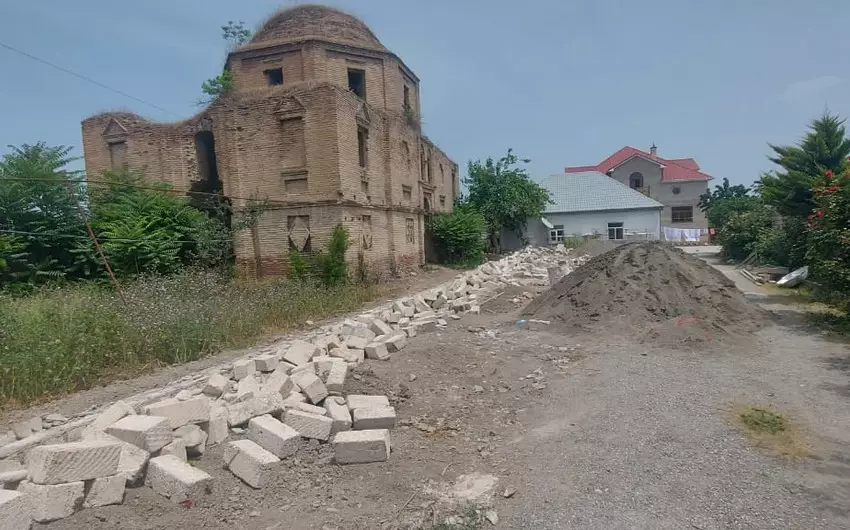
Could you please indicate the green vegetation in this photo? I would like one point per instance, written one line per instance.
(472, 518)
(770, 430)
(458, 236)
(504, 195)
(235, 34)
(763, 420)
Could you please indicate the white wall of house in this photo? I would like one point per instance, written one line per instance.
(637, 225)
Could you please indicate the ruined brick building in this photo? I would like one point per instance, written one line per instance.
(323, 121)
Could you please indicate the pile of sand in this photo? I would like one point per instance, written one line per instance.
(650, 290)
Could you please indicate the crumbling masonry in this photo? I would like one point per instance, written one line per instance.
(323, 121)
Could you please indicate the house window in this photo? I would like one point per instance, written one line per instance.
(362, 147)
(406, 193)
(274, 76)
(556, 234)
(443, 201)
(682, 214)
(411, 233)
(426, 202)
(357, 82)
(615, 231)
(118, 155)
(636, 181)
(364, 186)
(406, 98)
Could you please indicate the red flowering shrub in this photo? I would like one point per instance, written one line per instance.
(829, 236)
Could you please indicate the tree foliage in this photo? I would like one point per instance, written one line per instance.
(235, 34)
(824, 148)
(828, 252)
(458, 236)
(504, 195)
(328, 268)
(721, 193)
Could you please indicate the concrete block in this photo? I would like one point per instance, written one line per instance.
(110, 415)
(216, 429)
(311, 386)
(379, 327)
(294, 399)
(279, 382)
(335, 380)
(377, 350)
(306, 407)
(357, 401)
(266, 363)
(395, 342)
(425, 315)
(366, 418)
(216, 385)
(105, 491)
(394, 318)
(408, 312)
(57, 464)
(475, 309)
(150, 433)
(424, 326)
(357, 330)
(442, 322)
(179, 413)
(173, 478)
(301, 352)
(309, 425)
(323, 365)
(243, 368)
(247, 388)
(409, 331)
(356, 342)
(15, 510)
(275, 437)
(53, 502)
(439, 302)
(337, 410)
(348, 354)
(133, 460)
(420, 305)
(308, 368)
(538, 325)
(361, 447)
(327, 342)
(194, 438)
(11, 473)
(176, 448)
(265, 403)
(249, 462)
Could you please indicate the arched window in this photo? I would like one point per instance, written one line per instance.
(636, 181)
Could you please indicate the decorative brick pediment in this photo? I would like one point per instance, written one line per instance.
(115, 131)
(298, 227)
(290, 107)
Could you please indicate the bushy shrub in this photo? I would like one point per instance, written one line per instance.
(828, 252)
(741, 231)
(783, 245)
(458, 236)
(329, 267)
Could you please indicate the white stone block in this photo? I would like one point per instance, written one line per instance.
(409, 331)
(173, 478)
(216, 429)
(267, 362)
(105, 491)
(279, 382)
(133, 460)
(193, 437)
(176, 448)
(408, 312)
(337, 410)
(275, 437)
(247, 388)
(538, 325)
(361, 447)
(52, 502)
(294, 399)
(110, 415)
(379, 327)
(301, 352)
(150, 433)
(179, 413)
(216, 385)
(377, 350)
(311, 386)
(335, 380)
(348, 354)
(265, 403)
(15, 511)
(357, 401)
(11, 472)
(323, 365)
(57, 464)
(356, 342)
(396, 342)
(394, 317)
(249, 462)
(367, 418)
(309, 425)
(243, 368)
(306, 407)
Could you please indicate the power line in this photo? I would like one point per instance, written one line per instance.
(85, 78)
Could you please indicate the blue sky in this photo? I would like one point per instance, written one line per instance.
(562, 82)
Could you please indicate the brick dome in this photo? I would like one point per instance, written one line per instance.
(314, 21)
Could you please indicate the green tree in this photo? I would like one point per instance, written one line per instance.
(235, 34)
(824, 148)
(720, 193)
(458, 236)
(504, 194)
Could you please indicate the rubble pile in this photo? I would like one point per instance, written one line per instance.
(259, 407)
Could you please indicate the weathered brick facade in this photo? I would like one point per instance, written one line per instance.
(294, 131)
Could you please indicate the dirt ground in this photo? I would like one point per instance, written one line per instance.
(590, 429)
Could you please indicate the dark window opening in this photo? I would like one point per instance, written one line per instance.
(635, 181)
(362, 146)
(274, 76)
(615, 231)
(206, 192)
(406, 98)
(682, 214)
(357, 82)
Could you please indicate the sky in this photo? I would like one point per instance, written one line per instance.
(562, 82)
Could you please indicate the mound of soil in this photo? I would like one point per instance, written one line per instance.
(651, 288)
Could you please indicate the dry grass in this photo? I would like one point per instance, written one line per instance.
(770, 430)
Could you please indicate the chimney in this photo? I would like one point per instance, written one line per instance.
(653, 152)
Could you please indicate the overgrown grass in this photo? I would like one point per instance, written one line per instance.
(471, 519)
(64, 339)
(770, 430)
(832, 321)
